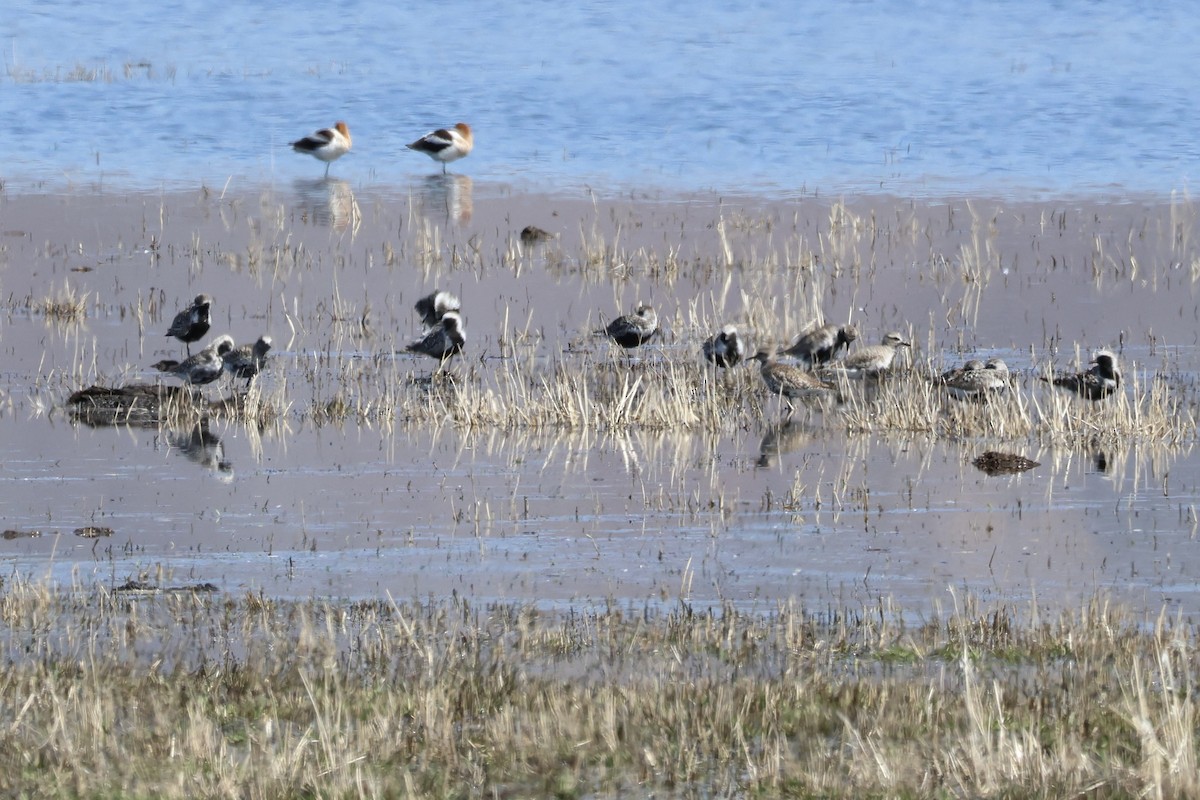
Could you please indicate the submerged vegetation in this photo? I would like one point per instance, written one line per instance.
(186, 693)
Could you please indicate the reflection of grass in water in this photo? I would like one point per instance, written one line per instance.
(272, 699)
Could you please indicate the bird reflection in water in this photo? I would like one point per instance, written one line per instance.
(450, 195)
(329, 202)
(780, 439)
(200, 446)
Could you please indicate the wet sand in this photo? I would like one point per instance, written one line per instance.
(753, 512)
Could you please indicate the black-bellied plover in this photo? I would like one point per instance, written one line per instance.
(976, 380)
(327, 144)
(443, 340)
(790, 382)
(873, 360)
(248, 360)
(446, 144)
(727, 348)
(633, 330)
(821, 345)
(1101, 379)
(193, 322)
(203, 367)
(435, 305)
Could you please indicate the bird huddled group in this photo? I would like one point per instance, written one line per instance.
(443, 145)
(219, 356)
(809, 367)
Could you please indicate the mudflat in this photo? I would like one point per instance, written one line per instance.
(548, 465)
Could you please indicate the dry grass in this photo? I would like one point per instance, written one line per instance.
(185, 694)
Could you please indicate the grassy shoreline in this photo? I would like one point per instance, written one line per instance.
(184, 694)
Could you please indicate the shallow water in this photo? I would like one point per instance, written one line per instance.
(1017, 99)
(750, 512)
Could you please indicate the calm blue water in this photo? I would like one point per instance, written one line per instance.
(939, 97)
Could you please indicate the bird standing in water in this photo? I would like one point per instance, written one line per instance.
(446, 144)
(327, 144)
(633, 330)
(193, 322)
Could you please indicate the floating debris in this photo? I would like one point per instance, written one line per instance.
(135, 404)
(14, 534)
(144, 587)
(994, 462)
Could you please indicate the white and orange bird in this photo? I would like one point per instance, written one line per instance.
(327, 144)
(446, 144)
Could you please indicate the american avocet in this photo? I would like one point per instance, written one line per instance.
(1099, 381)
(790, 382)
(443, 340)
(327, 144)
(870, 361)
(821, 345)
(633, 330)
(202, 368)
(726, 348)
(446, 144)
(435, 305)
(192, 323)
(248, 360)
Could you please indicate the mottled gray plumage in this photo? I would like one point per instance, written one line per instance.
(247, 361)
(870, 361)
(789, 381)
(203, 367)
(633, 330)
(820, 346)
(976, 380)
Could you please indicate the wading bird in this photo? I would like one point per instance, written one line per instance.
(327, 144)
(446, 144)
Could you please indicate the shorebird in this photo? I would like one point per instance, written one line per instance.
(976, 380)
(202, 368)
(443, 340)
(790, 382)
(821, 345)
(726, 348)
(1099, 381)
(446, 144)
(248, 360)
(435, 305)
(633, 330)
(327, 144)
(192, 323)
(870, 361)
